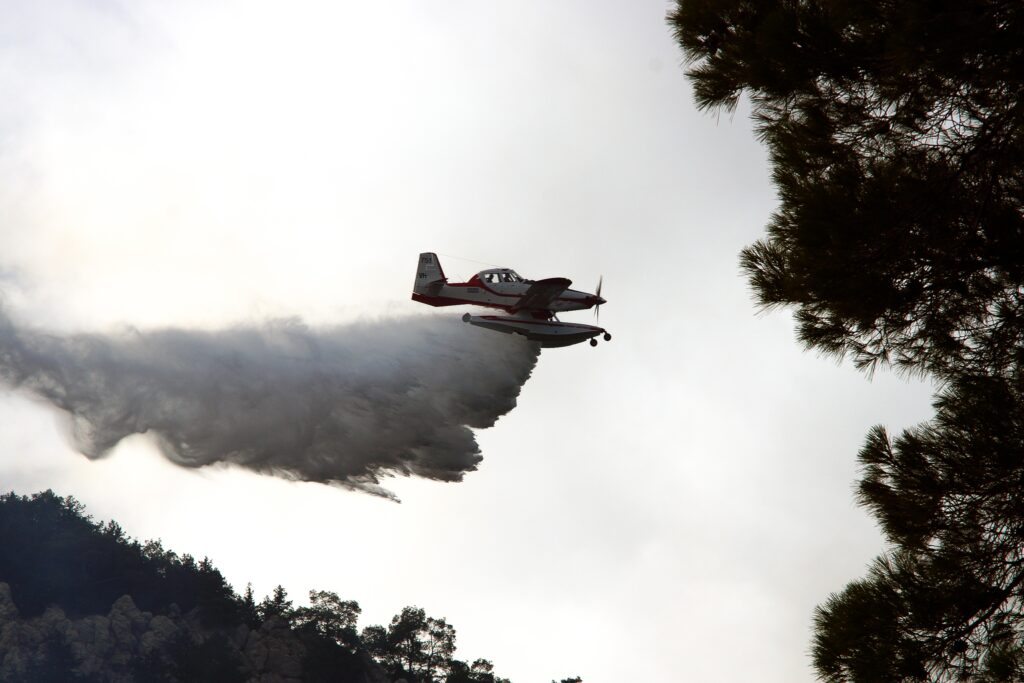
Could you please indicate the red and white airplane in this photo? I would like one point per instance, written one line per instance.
(532, 305)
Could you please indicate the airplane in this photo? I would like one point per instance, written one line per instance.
(531, 305)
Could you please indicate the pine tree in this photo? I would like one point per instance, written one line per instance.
(948, 600)
(277, 605)
(331, 617)
(896, 134)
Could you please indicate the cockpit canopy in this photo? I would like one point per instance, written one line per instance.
(499, 275)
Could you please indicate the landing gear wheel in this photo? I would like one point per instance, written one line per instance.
(607, 337)
(593, 342)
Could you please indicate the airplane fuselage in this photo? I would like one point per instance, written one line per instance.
(503, 295)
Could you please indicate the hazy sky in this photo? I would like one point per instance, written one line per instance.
(669, 506)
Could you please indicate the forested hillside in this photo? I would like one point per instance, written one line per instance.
(81, 601)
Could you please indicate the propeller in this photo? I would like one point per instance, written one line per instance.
(597, 308)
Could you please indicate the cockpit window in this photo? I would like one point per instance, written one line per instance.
(500, 276)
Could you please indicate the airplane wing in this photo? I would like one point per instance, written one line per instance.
(541, 293)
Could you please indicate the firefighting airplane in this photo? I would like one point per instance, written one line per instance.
(531, 305)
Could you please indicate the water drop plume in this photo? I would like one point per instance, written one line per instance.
(342, 405)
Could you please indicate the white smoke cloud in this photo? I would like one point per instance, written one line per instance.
(341, 405)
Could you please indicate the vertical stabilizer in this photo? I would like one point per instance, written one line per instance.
(429, 275)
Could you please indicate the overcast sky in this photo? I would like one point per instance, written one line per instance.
(669, 506)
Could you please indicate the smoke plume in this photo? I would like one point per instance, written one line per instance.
(340, 405)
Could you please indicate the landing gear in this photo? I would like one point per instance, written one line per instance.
(607, 337)
(593, 342)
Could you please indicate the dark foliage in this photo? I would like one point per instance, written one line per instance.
(66, 559)
(56, 664)
(896, 133)
(278, 605)
(328, 630)
(54, 554)
(413, 645)
(248, 611)
(326, 662)
(211, 661)
(950, 497)
(330, 618)
(480, 671)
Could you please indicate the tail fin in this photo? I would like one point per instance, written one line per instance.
(429, 275)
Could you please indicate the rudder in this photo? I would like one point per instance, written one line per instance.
(429, 274)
